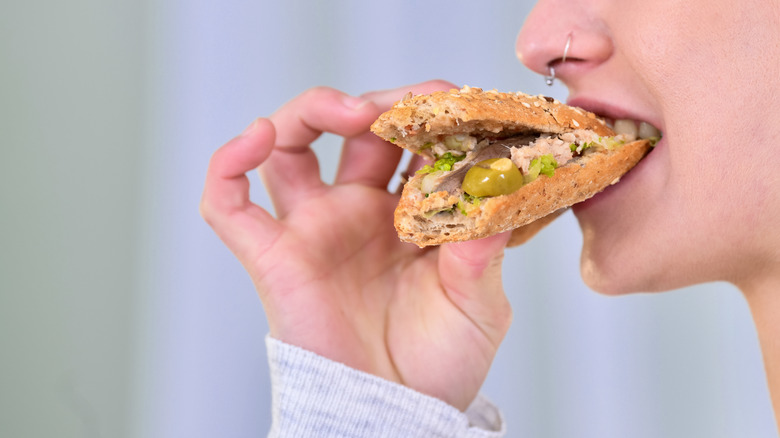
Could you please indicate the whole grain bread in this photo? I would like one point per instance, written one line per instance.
(417, 121)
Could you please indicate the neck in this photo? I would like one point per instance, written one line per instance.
(764, 303)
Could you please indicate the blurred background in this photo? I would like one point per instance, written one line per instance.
(122, 315)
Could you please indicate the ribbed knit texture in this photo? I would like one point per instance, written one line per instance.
(317, 397)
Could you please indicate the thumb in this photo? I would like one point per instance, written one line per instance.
(471, 275)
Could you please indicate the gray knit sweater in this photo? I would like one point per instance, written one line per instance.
(317, 397)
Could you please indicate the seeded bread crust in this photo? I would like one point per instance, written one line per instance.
(417, 120)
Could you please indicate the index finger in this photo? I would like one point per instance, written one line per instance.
(291, 173)
(370, 160)
(384, 99)
(322, 109)
(225, 204)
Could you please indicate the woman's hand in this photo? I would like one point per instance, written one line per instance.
(331, 273)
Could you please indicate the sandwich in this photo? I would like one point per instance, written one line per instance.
(499, 162)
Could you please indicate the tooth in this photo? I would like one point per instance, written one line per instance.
(627, 128)
(647, 130)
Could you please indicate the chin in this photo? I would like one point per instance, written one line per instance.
(621, 249)
(610, 277)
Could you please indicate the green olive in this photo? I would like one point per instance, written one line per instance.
(493, 177)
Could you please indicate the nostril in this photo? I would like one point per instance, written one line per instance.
(554, 42)
(558, 62)
(554, 68)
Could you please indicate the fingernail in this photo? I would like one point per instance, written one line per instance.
(251, 128)
(354, 103)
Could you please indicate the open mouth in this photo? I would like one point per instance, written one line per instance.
(617, 117)
(634, 129)
(631, 129)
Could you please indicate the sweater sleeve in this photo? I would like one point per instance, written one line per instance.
(313, 396)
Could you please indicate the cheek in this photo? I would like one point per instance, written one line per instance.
(623, 228)
(692, 211)
(683, 49)
(688, 214)
(637, 235)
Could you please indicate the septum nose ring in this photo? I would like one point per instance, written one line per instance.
(550, 79)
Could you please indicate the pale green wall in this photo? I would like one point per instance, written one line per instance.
(70, 117)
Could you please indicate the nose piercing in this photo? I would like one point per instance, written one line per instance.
(550, 79)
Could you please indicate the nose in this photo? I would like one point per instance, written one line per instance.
(554, 24)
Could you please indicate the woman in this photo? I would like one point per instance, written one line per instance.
(337, 283)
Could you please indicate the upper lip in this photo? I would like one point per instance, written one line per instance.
(610, 111)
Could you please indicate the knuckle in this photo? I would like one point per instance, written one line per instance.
(319, 92)
(441, 84)
(506, 316)
(206, 211)
(500, 320)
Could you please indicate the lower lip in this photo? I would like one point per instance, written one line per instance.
(627, 183)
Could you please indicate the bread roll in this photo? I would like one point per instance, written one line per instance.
(471, 124)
